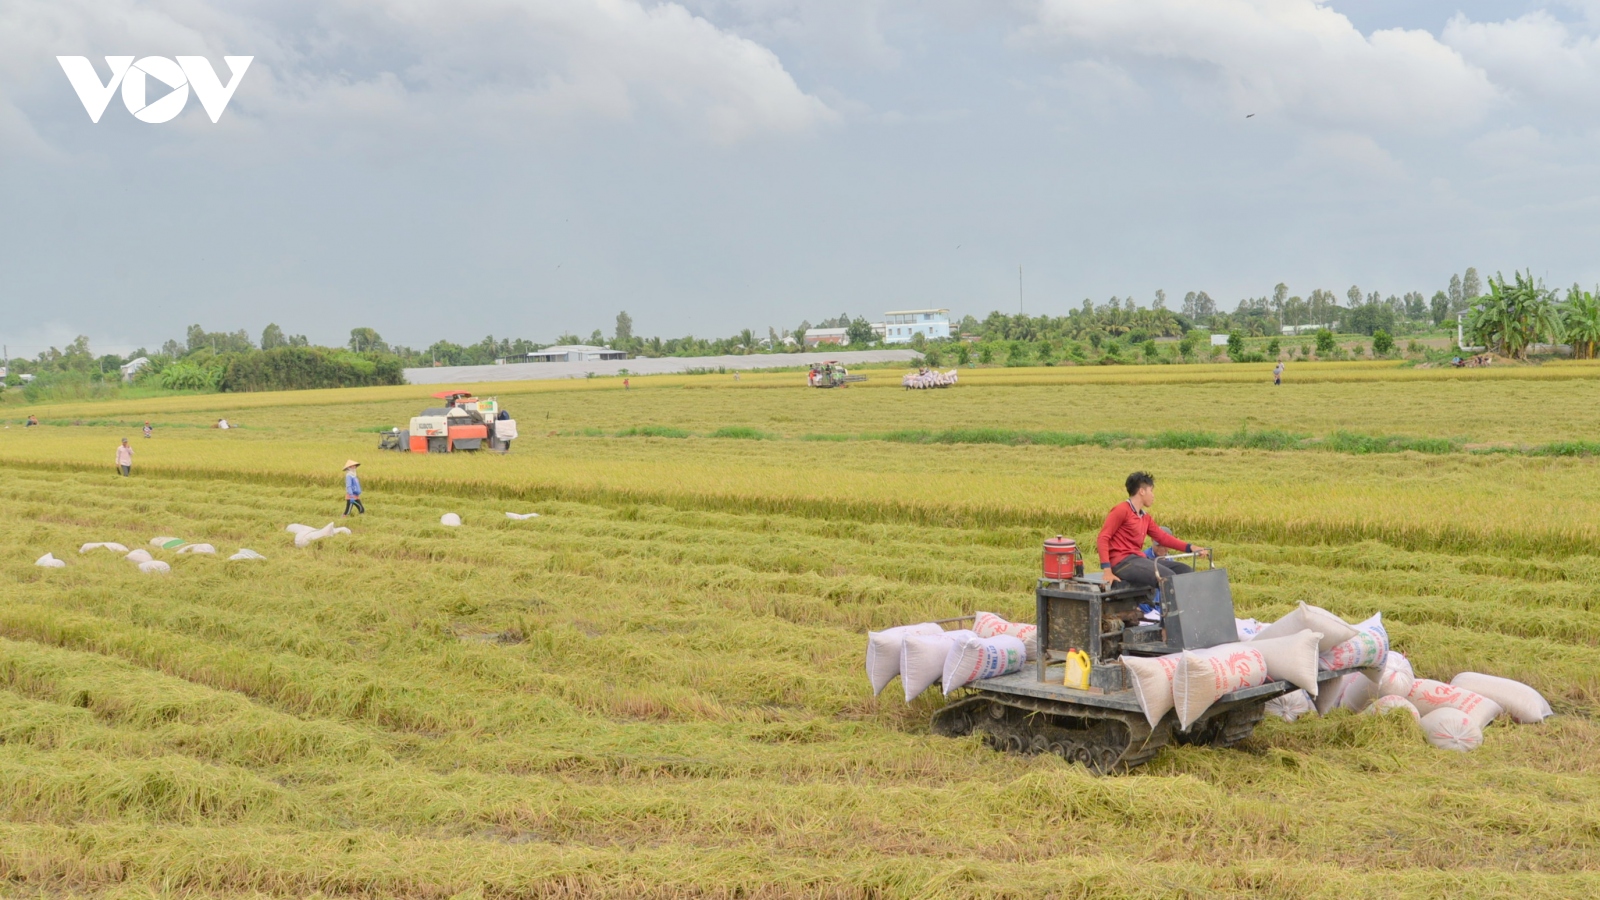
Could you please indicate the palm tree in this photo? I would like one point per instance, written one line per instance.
(1580, 321)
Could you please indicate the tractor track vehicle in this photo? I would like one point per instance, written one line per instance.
(1104, 727)
(465, 422)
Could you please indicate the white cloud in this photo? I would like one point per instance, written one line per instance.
(1537, 56)
(1297, 59)
(466, 64)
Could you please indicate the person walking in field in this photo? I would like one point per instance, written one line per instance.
(1121, 541)
(1277, 374)
(125, 459)
(352, 489)
(148, 431)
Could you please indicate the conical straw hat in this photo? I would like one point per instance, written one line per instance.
(351, 464)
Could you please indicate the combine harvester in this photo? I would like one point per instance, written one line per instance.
(831, 374)
(928, 378)
(465, 422)
(1101, 724)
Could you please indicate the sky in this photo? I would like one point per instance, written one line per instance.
(525, 168)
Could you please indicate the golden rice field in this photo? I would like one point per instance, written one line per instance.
(655, 688)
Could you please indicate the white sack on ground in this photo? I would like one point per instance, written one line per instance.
(1291, 706)
(980, 657)
(109, 545)
(306, 537)
(1247, 629)
(1353, 692)
(1397, 662)
(989, 625)
(341, 530)
(1523, 702)
(1333, 629)
(166, 542)
(297, 528)
(197, 548)
(49, 561)
(1395, 683)
(520, 516)
(1391, 703)
(883, 652)
(154, 567)
(247, 553)
(1205, 675)
(139, 556)
(1292, 658)
(1428, 695)
(922, 659)
(1451, 729)
(1152, 679)
(450, 519)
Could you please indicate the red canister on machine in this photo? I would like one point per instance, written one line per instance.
(1061, 560)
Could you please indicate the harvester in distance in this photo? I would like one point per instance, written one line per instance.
(831, 374)
(465, 422)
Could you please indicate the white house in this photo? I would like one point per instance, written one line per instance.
(900, 326)
(1219, 340)
(565, 353)
(133, 367)
(816, 336)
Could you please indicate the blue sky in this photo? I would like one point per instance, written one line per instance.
(528, 167)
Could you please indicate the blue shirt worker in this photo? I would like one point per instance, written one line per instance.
(352, 489)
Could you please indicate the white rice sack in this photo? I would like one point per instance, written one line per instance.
(108, 545)
(1428, 695)
(1390, 703)
(1353, 692)
(1395, 683)
(1523, 703)
(154, 567)
(49, 561)
(1205, 675)
(166, 543)
(306, 537)
(297, 528)
(883, 652)
(1451, 729)
(247, 553)
(1333, 629)
(521, 516)
(1152, 679)
(450, 519)
(980, 657)
(1291, 706)
(139, 556)
(341, 530)
(1367, 648)
(197, 548)
(1397, 662)
(1247, 629)
(989, 625)
(1292, 659)
(922, 659)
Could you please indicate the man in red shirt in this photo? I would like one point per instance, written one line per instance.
(1121, 542)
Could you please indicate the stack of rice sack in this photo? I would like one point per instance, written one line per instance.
(924, 654)
(1188, 683)
(1452, 716)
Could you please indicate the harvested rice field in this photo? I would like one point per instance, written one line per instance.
(655, 687)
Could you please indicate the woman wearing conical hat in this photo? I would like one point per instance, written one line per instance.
(352, 489)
